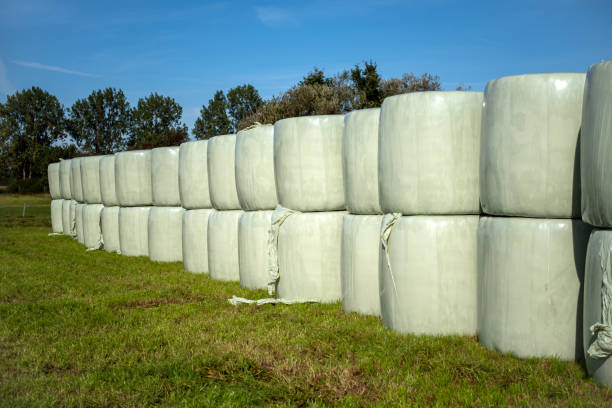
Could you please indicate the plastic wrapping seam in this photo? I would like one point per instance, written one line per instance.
(54, 234)
(235, 300)
(602, 346)
(385, 234)
(100, 243)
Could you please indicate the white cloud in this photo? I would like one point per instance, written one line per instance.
(274, 16)
(6, 87)
(37, 65)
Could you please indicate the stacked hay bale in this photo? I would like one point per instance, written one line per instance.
(306, 231)
(195, 199)
(56, 198)
(256, 188)
(68, 205)
(134, 194)
(532, 244)
(428, 183)
(596, 173)
(76, 189)
(223, 223)
(109, 218)
(361, 226)
(90, 177)
(165, 227)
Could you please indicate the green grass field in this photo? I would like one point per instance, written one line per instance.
(96, 329)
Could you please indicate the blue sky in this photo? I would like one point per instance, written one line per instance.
(190, 49)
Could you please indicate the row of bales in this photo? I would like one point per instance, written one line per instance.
(442, 212)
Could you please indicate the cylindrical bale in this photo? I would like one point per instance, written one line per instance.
(529, 286)
(308, 163)
(54, 181)
(78, 222)
(193, 175)
(133, 231)
(166, 234)
(309, 252)
(223, 245)
(221, 173)
(253, 232)
(255, 168)
(109, 221)
(529, 148)
(92, 229)
(57, 224)
(431, 286)
(360, 263)
(107, 181)
(66, 219)
(90, 174)
(76, 181)
(597, 304)
(165, 176)
(360, 161)
(429, 145)
(73, 206)
(64, 176)
(195, 240)
(133, 178)
(596, 146)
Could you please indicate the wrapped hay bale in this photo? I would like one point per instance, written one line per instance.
(308, 163)
(166, 234)
(164, 176)
(92, 229)
(529, 153)
(193, 175)
(65, 176)
(57, 222)
(223, 245)
(360, 161)
(76, 181)
(195, 240)
(429, 145)
(596, 146)
(90, 174)
(133, 178)
(428, 274)
(78, 223)
(255, 168)
(221, 173)
(109, 221)
(67, 220)
(133, 231)
(529, 280)
(253, 232)
(55, 189)
(73, 206)
(107, 181)
(360, 263)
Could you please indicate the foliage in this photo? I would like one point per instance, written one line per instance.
(100, 123)
(243, 101)
(410, 83)
(368, 84)
(156, 122)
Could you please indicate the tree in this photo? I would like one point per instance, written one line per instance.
(30, 122)
(100, 123)
(156, 122)
(213, 118)
(367, 83)
(410, 83)
(243, 101)
(316, 77)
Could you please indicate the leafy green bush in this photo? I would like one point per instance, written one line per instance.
(28, 186)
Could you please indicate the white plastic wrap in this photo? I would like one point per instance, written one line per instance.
(195, 240)
(308, 163)
(193, 175)
(92, 229)
(54, 181)
(431, 285)
(529, 280)
(255, 168)
(253, 232)
(597, 321)
(360, 263)
(57, 222)
(429, 145)
(73, 206)
(133, 231)
(78, 223)
(109, 221)
(90, 174)
(360, 161)
(64, 177)
(133, 178)
(309, 252)
(166, 234)
(596, 146)
(76, 181)
(66, 219)
(165, 176)
(529, 150)
(221, 173)
(223, 245)
(107, 181)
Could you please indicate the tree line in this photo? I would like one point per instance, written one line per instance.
(35, 129)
